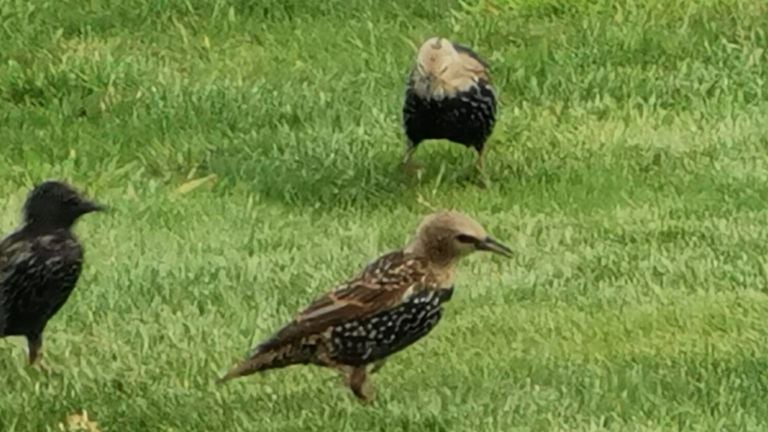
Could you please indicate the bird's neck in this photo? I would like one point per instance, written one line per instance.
(441, 261)
(39, 227)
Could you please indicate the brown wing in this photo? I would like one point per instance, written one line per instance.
(383, 284)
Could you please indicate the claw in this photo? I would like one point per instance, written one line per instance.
(357, 380)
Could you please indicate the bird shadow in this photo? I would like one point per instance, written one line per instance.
(344, 180)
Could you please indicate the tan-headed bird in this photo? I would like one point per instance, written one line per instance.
(395, 301)
(448, 96)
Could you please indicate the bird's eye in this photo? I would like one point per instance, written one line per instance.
(463, 238)
(72, 201)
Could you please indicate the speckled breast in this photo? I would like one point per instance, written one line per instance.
(363, 341)
(466, 118)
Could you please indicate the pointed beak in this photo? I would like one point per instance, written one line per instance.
(491, 245)
(91, 206)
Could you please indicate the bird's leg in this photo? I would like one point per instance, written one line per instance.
(409, 149)
(34, 348)
(357, 380)
(345, 371)
(407, 164)
(377, 366)
(479, 161)
(479, 168)
(35, 352)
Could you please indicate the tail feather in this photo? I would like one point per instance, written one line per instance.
(269, 358)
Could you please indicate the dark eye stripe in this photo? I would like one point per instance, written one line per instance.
(463, 238)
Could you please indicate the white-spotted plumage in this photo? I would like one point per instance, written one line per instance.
(395, 301)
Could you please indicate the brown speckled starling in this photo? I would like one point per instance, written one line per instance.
(40, 262)
(448, 96)
(395, 301)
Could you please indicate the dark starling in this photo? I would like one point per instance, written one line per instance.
(40, 262)
(395, 301)
(449, 96)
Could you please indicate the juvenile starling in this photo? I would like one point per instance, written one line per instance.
(395, 301)
(449, 96)
(40, 262)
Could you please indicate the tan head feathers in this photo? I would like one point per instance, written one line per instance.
(443, 69)
(447, 235)
(450, 221)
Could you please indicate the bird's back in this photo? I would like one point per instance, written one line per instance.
(37, 274)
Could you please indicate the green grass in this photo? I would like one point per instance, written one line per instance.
(629, 172)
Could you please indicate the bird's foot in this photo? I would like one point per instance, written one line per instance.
(478, 176)
(366, 395)
(40, 365)
(357, 380)
(412, 168)
(475, 178)
(482, 180)
(35, 355)
(479, 168)
(47, 370)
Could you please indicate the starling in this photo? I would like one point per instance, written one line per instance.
(395, 301)
(40, 262)
(449, 96)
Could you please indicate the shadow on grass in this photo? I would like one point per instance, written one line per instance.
(358, 173)
(346, 180)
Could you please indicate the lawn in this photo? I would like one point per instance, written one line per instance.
(250, 149)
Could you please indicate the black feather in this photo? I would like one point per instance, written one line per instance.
(41, 262)
(468, 51)
(466, 118)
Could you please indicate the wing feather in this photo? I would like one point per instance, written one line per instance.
(383, 284)
(462, 49)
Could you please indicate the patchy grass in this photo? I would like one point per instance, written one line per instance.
(629, 172)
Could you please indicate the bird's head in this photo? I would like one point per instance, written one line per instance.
(435, 56)
(442, 71)
(446, 236)
(53, 204)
